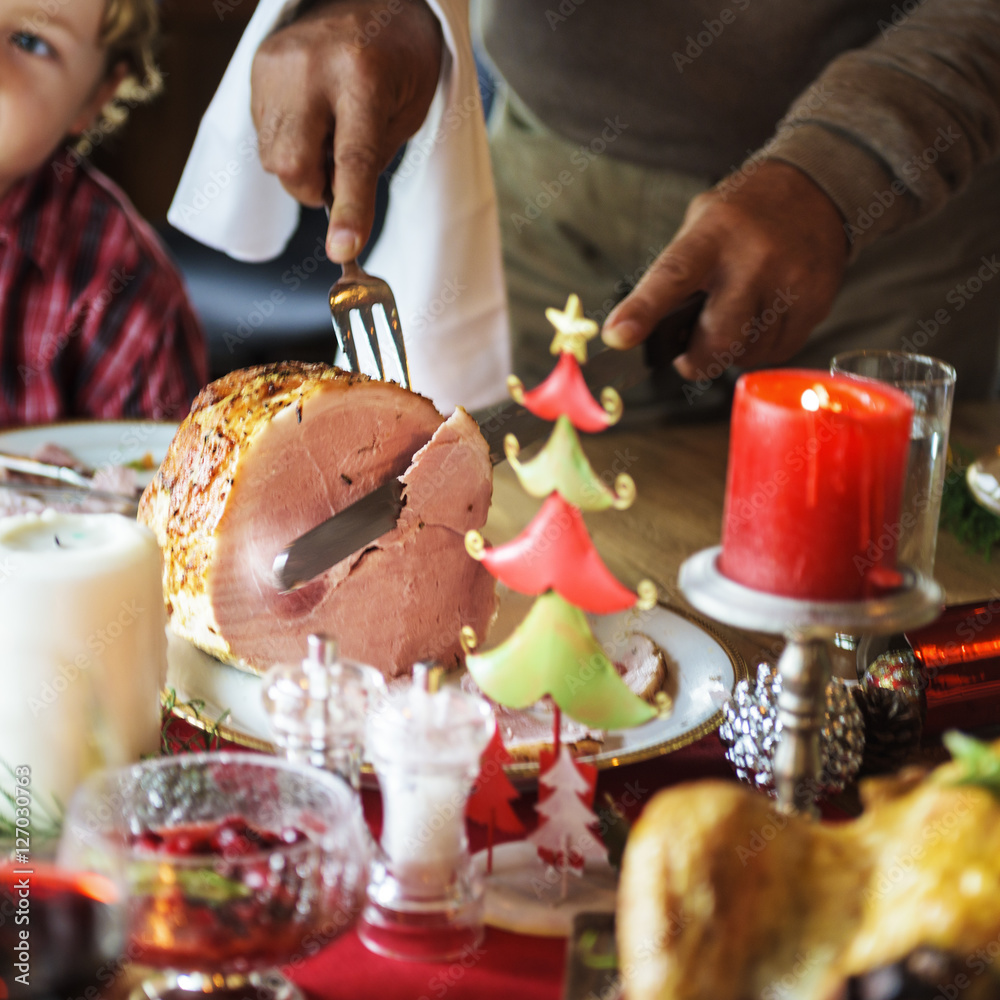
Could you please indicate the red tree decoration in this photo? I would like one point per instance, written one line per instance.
(490, 801)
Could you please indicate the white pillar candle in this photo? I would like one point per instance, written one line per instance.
(82, 647)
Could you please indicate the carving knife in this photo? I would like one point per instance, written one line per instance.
(367, 519)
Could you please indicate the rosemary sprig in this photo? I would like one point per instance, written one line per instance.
(206, 735)
(46, 818)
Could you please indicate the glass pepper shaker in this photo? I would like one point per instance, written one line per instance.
(316, 709)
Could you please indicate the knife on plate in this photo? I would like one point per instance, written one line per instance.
(35, 467)
(359, 524)
(71, 494)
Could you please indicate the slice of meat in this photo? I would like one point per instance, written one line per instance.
(56, 454)
(269, 452)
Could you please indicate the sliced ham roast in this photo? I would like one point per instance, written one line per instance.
(269, 452)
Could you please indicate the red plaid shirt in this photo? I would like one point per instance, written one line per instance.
(94, 318)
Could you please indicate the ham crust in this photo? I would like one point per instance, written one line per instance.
(268, 452)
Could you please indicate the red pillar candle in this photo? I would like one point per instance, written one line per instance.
(814, 484)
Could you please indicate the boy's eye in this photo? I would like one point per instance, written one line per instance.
(31, 44)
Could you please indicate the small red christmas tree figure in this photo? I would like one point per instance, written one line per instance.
(491, 798)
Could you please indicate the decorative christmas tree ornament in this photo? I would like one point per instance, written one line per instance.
(564, 836)
(539, 885)
(424, 899)
(751, 729)
(572, 566)
(562, 466)
(491, 798)
(553, 652)
(565, 391)
(536, 886)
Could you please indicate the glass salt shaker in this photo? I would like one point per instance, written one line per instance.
(424, 900)
(316, 709)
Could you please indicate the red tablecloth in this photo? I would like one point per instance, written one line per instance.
(506, 965)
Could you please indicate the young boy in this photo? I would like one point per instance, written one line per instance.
(94, 318)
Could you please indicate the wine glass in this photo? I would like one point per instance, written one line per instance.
(233, 864)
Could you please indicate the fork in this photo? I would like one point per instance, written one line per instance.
(356, 292)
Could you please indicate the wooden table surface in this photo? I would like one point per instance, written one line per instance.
(680, 472)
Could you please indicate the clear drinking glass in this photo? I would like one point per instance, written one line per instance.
(930, 383)
(232, 864)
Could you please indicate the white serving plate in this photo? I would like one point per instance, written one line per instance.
(98, 442)
(701, 678)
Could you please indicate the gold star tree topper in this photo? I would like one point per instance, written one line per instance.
(573, 329)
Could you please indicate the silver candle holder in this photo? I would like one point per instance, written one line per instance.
(808, 627)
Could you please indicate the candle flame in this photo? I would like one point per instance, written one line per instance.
(817, 397)
(97, 887)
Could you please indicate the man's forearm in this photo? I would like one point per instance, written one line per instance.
(893, 130)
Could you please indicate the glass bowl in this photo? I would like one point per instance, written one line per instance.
(231, 864)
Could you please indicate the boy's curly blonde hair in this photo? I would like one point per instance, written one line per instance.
(129, 32)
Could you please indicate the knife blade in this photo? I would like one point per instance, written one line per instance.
(339, 536)
(35, 467)
(69, 493)
(362, 522)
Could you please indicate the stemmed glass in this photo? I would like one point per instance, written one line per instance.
(232, 864)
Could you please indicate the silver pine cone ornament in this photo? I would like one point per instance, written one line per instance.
(750, 732)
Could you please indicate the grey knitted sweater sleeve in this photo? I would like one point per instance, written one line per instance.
(892, 130)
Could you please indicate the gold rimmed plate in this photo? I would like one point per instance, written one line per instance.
(703, 669)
